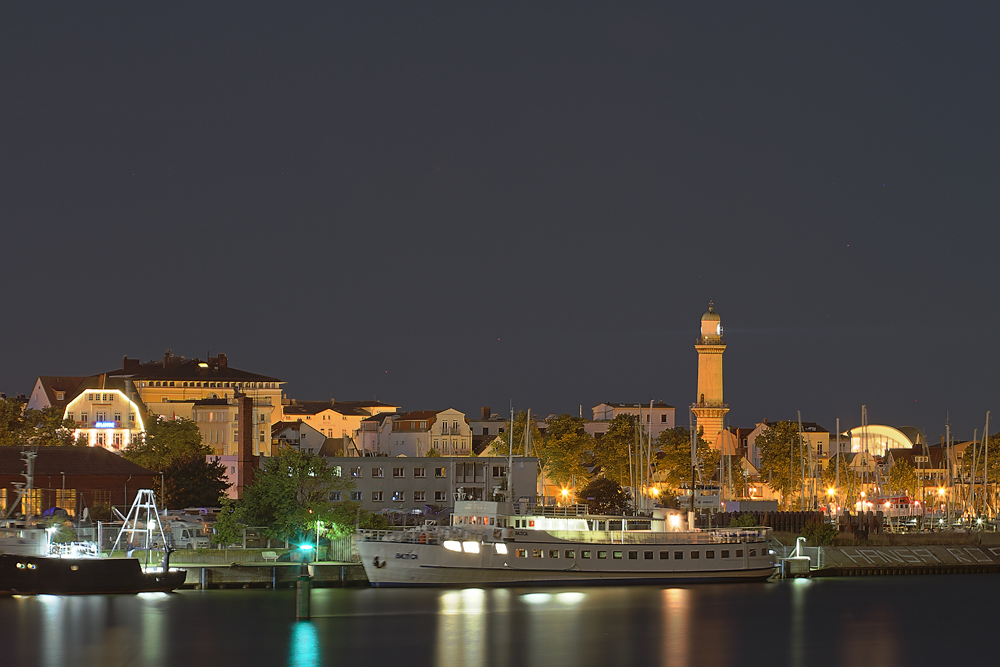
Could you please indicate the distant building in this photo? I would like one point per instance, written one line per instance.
(108, 412)
(879, 438)
(408, 484)
(335, 419)
(297, 434)
(72, 478)
(414, 434)
(655, 421)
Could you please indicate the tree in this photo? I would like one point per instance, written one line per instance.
(227, 529)
(564, 450)
(193, 481)
(847, 490)
(606, 496)
(290, 493)
(674, 463)
(611, 450)
(781, 458)
(165, 441)
(174, 448)
(25, 427)
(903, 479)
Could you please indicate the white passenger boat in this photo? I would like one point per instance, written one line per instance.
(487, 544)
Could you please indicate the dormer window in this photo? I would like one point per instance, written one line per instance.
(60, 395)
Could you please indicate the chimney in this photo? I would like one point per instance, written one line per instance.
(246, 462)
(166, 358)
(486, 412)
(223, 360)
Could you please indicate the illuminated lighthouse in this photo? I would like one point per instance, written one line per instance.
(709, 408)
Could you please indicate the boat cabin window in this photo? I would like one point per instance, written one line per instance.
(739, 553)
(536, 553)
(633, 555)
(695, 554)
(521, 553)
(585, 554)
(570, 553)
(553, 553)
(648, 555)
(678, 555)
(664, 555)
(753, 552)
(617, 555)
(709, 554)
(725, 553)
(602, 555)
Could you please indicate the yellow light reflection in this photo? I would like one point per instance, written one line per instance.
(675, 650)
(461, 618)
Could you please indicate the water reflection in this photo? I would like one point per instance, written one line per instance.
(461, 629)
(304, 647)
(797, 623)
(675, 649)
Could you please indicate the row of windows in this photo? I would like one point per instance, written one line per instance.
(419, 473)
(399, 472)
(101, 416)
(397, 496)
(632, 555)
(244, 385)
(103, 398)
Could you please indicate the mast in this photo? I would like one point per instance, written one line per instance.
(836, 484)
(951, 482)
(510, 458)
(986, 459)
(694, 461)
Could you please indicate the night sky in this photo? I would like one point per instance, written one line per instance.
(470, 204)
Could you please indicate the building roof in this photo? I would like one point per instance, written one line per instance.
(660, 405)
(316, 407)
(71, 461)
(418, 415)
(179, 368)
(55, 383)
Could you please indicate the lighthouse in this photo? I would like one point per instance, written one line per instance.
(709, 407)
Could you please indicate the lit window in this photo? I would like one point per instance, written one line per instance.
(376, 496)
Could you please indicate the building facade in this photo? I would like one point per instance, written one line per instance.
(402, 483)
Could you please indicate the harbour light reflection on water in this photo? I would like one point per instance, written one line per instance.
(841, 622)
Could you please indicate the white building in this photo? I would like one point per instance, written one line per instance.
(655, 421)
(414, 434)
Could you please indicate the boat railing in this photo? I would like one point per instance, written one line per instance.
(418, 535)
(535, 509)
(659, 537)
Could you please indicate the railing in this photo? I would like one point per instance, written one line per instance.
(712, 340)
(710, 404)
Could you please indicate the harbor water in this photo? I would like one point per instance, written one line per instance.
(884, 621)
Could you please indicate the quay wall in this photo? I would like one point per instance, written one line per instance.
(908, 560)
(272, 575)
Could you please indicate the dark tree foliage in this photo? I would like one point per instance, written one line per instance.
(606, 496)
(193, 481)
(174, 447)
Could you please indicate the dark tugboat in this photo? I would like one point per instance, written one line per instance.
(44, 575)
(28, 565)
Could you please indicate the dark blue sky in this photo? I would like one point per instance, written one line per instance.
(470, 203)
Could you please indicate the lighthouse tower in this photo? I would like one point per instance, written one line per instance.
(709, 408)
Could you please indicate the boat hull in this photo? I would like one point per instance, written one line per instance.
(392, 564)
(36, 575)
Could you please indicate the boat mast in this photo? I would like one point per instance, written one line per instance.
(510, 458)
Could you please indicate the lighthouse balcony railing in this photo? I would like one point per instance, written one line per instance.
(710, 340)
(710, 404)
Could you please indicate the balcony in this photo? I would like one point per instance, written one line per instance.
(710, 340)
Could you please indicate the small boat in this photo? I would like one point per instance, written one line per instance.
(42, 575)
(488, 544)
